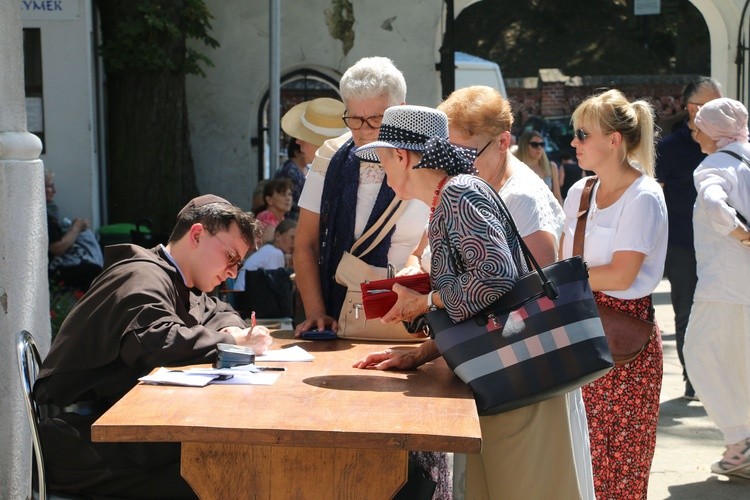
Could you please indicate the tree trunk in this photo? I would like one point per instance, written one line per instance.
(150, 167)
(151, 170)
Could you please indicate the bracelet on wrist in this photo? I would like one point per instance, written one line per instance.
(430, 304)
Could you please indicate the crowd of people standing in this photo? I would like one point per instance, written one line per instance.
(350, 162)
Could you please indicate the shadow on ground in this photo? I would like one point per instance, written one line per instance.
(727, 487)
(661, 298)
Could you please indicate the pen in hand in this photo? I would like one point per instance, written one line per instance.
(252, 320)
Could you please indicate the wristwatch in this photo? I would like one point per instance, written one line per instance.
(430, 304)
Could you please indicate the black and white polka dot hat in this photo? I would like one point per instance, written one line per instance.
(422, 129)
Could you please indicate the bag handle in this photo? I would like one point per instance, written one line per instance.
(384, 224)
(548, 287)
(583, 212)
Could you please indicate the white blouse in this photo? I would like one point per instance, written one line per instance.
(636, 222)
(723, 185)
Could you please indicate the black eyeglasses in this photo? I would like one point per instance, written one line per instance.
(357, 122)
(482, 150)
(536, 144)
(581, 135)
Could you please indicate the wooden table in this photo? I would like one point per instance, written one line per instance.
(323, 430)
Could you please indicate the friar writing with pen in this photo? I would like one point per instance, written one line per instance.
(148, 308)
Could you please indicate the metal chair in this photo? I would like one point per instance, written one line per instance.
(28, 367)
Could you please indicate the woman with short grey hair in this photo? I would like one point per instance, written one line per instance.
(343, 197)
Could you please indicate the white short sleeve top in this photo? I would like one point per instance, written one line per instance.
(636, 222)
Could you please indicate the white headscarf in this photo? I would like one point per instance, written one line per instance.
(724, 120)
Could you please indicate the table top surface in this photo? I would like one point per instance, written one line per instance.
(323, 403)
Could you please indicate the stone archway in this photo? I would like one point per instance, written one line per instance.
(722, 19)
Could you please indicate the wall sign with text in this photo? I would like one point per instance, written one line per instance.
(50, 10)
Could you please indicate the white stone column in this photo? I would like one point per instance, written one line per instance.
(24, 296)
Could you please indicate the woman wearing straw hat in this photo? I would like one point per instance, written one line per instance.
(717, 341)
(312, 123)
(476, 258)
(309, 124)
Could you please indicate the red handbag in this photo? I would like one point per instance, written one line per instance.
(378, 298)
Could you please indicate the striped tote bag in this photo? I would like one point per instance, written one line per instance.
(541, 339)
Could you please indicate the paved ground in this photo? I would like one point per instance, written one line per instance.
(687, 440)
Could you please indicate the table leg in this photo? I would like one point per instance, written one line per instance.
(236, 471)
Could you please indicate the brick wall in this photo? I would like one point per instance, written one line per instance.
(554, 94)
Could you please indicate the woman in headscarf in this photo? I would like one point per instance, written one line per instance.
(476, 258)
(717, 341)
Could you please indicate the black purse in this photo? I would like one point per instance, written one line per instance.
(541, 339)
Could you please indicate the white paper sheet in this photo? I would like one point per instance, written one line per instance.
(165, 376)
(200, 377)
(294, 353)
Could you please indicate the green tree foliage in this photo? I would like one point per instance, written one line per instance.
(586, 37)
(149, 36)
(146, 58)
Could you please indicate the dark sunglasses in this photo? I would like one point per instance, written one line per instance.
(581, 135)
(536, 144)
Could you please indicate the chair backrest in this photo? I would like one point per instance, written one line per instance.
(28, 367)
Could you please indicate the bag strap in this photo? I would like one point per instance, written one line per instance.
(548, 287)
(583, 212)
(739, 157)
(386, 221)
(744, 160)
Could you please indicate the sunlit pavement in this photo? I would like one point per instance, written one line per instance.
(687, 441)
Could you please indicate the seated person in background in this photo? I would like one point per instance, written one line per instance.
(277, 195)
(264, 282)
(149, 308)
(74, 253)
(272, 255)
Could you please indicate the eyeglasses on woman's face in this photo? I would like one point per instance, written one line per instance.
(357, 122)
(536, 144)
(483, 148)
(581, 135)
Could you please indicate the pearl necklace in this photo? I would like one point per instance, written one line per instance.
(437, 195)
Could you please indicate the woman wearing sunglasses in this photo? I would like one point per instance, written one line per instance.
(531, 152)
(625, 245)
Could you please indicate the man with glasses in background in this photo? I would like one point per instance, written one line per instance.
(677, 156)
(148, 308)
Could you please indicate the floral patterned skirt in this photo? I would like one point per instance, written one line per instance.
(623, 412)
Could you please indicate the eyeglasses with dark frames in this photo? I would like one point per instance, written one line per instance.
(483, 148)
(357, 122)
(536, 144)
(581, 135)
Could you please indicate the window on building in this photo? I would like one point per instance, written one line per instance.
(296, 87)
(32, 71)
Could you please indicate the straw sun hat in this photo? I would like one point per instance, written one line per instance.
(315, 121)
